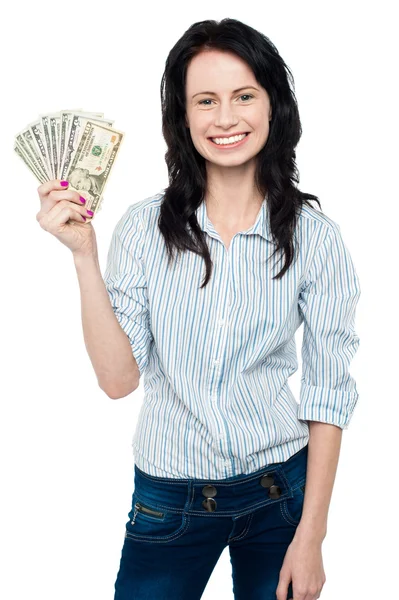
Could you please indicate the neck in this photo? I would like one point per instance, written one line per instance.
(233, 208)
(231, 196)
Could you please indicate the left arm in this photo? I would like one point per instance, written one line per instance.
(323, 454)
(328, 393)
(328, 396)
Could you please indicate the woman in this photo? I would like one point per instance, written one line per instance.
(223, 452)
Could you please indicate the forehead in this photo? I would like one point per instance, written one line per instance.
(217, 69)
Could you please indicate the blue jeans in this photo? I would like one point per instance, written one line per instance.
(178, 528)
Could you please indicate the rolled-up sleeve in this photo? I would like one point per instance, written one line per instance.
(126, 284)
(328, 301)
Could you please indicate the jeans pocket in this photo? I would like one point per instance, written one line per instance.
(291, 508)
(151, 524)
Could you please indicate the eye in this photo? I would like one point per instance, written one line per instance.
(209, 100)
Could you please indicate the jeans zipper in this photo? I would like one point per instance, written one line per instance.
(138, 507)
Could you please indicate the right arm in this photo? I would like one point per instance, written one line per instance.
(62, 214)
(107, 344)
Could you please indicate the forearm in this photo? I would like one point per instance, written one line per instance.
(107, 344)
(323, 454)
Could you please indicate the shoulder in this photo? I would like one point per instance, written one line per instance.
(312, 218)
(137, 215)
(145, 206)
(324, 242)
(315, 227)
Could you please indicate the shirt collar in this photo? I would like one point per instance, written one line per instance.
(261, 225)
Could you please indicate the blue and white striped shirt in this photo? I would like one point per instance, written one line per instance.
(216, 360)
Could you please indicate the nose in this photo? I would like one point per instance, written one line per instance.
(225, 117)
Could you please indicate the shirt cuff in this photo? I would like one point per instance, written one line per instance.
(326, 405)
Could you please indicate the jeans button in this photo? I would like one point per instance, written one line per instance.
(209, 491)
(209, 504)
(266, 481)
(275, 491)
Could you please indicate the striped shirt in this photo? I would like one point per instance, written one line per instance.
(216, 361)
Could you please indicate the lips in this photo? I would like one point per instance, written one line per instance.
(230, 146)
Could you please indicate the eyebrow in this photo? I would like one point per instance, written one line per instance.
(245, 87)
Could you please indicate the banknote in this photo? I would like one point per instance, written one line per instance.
(34, 143)
(74, 134)
(75, 145)
(26, 142)
(65, 121)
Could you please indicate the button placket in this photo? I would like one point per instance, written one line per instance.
(209, 491)
(267, 481)
(216, 368)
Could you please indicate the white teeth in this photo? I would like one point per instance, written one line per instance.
(230, 140)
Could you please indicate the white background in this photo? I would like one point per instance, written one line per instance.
(66, 455)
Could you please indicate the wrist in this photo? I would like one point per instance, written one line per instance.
(306, 532)
(84, 259)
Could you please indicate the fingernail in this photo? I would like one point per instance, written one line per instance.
(64, 183)
(83, 217)
(90, 212)
(83, 200)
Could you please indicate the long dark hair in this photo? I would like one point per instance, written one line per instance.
(276, 169)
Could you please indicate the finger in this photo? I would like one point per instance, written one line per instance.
(54, 184)
(63, 204)
(56, 217)
(53, 198)
(70, 195)
(282, 589)
(66, 216)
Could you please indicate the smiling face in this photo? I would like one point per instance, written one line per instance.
(226, 111)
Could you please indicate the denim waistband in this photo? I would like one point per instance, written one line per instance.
(234, 495)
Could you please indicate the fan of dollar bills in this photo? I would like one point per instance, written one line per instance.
(78, 146)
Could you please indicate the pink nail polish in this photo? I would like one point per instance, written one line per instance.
(64, 183)
(83, 200)
(90, 212)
